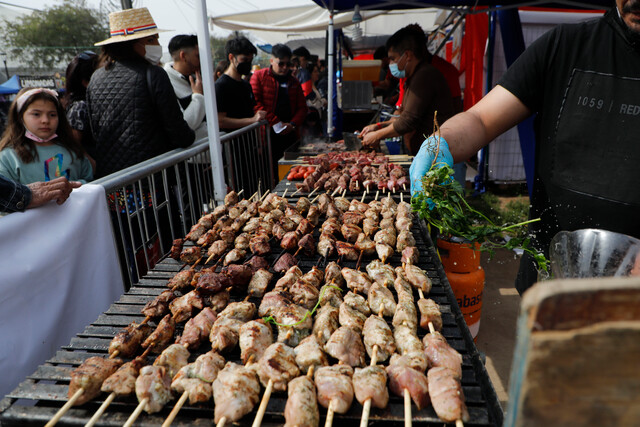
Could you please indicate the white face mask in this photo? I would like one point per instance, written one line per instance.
(153, 53)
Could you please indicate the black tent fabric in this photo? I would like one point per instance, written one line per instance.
(346, 5)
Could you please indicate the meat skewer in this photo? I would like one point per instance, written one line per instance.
(302, 406)
(362, 385)
(335, 389)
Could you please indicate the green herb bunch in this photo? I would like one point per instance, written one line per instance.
(442, 204)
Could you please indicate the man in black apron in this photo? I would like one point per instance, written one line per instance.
(583, 83)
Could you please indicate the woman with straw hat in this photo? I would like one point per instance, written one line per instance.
(133, 109)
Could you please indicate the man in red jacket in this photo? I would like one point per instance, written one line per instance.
(279, 93)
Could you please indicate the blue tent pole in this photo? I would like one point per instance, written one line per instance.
(513, 42)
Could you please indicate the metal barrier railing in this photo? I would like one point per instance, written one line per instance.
(156, 201)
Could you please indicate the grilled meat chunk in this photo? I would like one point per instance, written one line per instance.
(332, 274)
(377, 332)
(256, 263)
(350, 232)
(351, 318)
(405, 240)
(159, 306)
(418, 278)
(446, 395)
(329, 295)
(410, 255)
(224, 334)
(240, 275)
(173, 358)
(197, 329)
(302, 407)
(291, 327)
(217, 248)
(357, 302)
(183, 307)
(218, 301)
(365, 245)
(259, 282)
(371, 383)
(326, 323)
(236, 391)
(278, 364)
(196, 378)
(181, 280)
(381, 300)
(415, 359)
(304, 294)
(176, 249)
(402, 377)
(326, 245)
(89, 377)
(309, 353)
(384, 251)
(382, 274)
(429, 313)
(153, 384)
(406, 315)
(335, 387)
(290, 240)
(290, 277)
(190, 255)
(307, 244)
(313, 215)
(441, 354)
(234, 256)
(123, 381)
(242, 310)
(357, 281)
(162, 335)
(346, 345)
(272, 301)
(285, 262)
(209, 282)
(127, 342)
(255, 337)
(406, 339)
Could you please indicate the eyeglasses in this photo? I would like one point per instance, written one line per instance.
(284, 64)
(86, 55)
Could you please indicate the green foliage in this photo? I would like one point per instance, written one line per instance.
(513, 212)
(442, 204)
(52, 37)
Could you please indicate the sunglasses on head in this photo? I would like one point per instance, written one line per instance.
(86, 55)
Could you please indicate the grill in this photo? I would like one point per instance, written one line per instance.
(38, 398)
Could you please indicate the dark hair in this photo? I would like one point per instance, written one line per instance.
(114, 52)
(182, 41)
(302, 52)
(410, 38)
(314, 59)
(79, 70)
(312, 66)
(380, 53)
(239, 46)
(13, 136)
(281, 51)
(221, 68)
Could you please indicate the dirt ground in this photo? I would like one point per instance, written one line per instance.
(500, 309)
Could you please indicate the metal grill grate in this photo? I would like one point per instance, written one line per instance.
(38, 398)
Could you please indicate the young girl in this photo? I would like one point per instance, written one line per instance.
(37, 144)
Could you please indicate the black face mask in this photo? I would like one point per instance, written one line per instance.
(244, 68)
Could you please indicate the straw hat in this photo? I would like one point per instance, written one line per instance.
(130, 24)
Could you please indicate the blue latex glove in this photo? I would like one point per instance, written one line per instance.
(425, 158)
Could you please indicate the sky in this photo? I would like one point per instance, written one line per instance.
(179, 15)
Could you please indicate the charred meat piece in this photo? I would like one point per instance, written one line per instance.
(252, 225)
(304, 294)
(234, 256)
(307, 244)
(224, 334)
(197, 329)
(289, 278)
(127, 342)
(402, 377)
(257, 263)
(176, 249)
(217, 248)
(381, 300)
(255, 337)
(332, 274)
(384, 251)
(406, 339)
(196, 232)
(414, 359)
(218, 301)
(350, 232)
(154, 385)
(278, 364)
(302, 205)
(386, 236)
(405, 240)
(190, 255)
(288, 224)
(259, 283)
(231, 199)
(410, 255)
(326, 245)
(90, 375)
(326, 323)
(259, 244)
(329, 295)
(382, 274)
(352, 217)
(285, 262)
(346, 345)
(418, 278)
(335, 387)
(123, 381)
(242, 242)
(351, 317)
(313, 215)
(376, 332)
(304, 227)
(159, 306)
(302, 407)
(309, 353)
(173, 358)
(242, 310)
(294, 324)
(357, 302)
(441, 354)
(357, 281)
(372, 213)
(330, 226)
(347, 251)
(406, 315)
(182, 308)
(342, 203)
(240, 275)
(272, 301)
(208, 238)
(290, 241)
(369, 226)
(315, 276)
(333, 212)
(371, 383)
(365, 245)
(196, 378)
(402, 286)
(228, 235)
(446, 395)
(210, 282)
(388, 224)
(162, 335)
(236, 391)
(278, 231)
(429, 313)
(181, 280)
(404, 223)
(323, 202)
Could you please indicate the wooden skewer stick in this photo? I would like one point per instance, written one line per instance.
(176, 409)
(209, 259)
(329, 420)
(253, 195)
(240, 192)
(132, 419)
(263, 405)
(314, 190)
(377, 192)
(222, 422)
(401, 197)
(101, 409)
(114, 354)
(297, 252)
(459, 423)
(359, 259)
(367, 403)
(285, 192)
(335, 191)
(264, 195)
(362, 199)
(407, 408)
(296, 192)
(53, 421)
(315, 198)
(344, 193)
(404, 187)
(196, 263)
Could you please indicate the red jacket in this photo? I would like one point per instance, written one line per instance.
(265, 91)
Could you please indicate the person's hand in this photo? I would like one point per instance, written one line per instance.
(370, 140)
(368, 129)
(260, 115)
(288, 128)
(425, 158)
(196, 84)
(57, 189)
